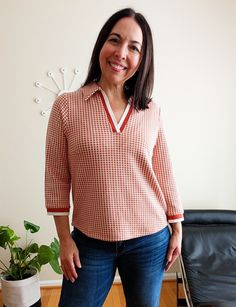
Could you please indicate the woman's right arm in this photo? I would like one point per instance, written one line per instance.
(58, 184)
(69, 254)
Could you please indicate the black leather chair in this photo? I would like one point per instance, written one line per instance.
(208, 258)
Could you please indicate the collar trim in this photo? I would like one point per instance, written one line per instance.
(90, 90)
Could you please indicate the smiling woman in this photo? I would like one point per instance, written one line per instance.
(135, 36)
(120, 55)
(107, 142)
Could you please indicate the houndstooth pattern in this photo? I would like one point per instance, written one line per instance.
(122, 182)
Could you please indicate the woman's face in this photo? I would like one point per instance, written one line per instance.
(120, 55)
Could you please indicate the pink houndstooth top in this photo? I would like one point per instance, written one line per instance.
(120, 174)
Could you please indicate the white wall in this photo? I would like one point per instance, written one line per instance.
(195, 57)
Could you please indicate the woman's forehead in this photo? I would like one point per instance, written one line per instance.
(129, 29)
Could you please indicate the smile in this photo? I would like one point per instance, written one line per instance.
(116, 67)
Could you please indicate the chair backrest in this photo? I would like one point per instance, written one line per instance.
(209, 256)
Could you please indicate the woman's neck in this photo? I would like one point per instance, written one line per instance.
(113, 92)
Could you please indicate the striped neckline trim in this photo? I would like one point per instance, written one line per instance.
(116, 127)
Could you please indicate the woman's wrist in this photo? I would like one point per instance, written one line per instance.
(63, 228)
(176, 228)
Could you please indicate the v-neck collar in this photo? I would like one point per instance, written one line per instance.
(116, 127)
(90, 89)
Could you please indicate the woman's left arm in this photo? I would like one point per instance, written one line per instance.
(174, 249)
(163, 169)
(164, 172)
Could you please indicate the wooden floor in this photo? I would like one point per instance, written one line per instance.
(50, 296)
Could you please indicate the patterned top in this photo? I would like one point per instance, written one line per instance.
(120, 173)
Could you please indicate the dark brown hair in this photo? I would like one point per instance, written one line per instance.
(140, 85)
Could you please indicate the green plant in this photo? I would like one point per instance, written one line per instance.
(28, 259)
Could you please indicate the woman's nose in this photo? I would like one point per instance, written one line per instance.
(121, 52)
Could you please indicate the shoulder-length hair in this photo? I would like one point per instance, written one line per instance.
(140, 85)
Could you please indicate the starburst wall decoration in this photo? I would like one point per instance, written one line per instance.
(60, 89)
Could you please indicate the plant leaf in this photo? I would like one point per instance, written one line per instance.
(17, 249)
(17, 252)
(33, 248)
(45, 254)
(31, 227)
(55, 246)
(7, 235)
(55, 265)
(34, 264)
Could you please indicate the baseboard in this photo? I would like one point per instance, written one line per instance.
(51, 283)
(57, 283)
(170, 276)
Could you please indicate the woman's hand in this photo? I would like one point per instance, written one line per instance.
(69, 256)
(174, 249)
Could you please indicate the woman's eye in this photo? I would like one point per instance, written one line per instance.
(113, 40)
(134, 48)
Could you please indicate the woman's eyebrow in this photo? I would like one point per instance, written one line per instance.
(119, 36)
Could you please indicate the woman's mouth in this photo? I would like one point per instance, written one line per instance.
(116, 67)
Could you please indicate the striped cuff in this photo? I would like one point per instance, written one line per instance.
(175, 218)
(58, 211)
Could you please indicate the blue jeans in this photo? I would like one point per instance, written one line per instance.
(140, 262)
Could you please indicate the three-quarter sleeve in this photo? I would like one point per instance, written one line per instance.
(57, 173)
(164, 172)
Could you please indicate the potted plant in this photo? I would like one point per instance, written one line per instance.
(19, 279)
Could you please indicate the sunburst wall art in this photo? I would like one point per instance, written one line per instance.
(64, 86)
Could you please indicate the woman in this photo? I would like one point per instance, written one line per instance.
(106, 141)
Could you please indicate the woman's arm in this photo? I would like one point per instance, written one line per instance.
(57, 171)
(163, 169)
(69, 254)
(58, 184)
(164, 172)
(174, 249)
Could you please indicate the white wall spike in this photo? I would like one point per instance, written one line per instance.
(37, 99)
(51, 75)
